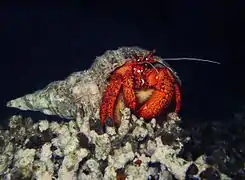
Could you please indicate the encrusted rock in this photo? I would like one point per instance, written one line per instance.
(43, 125)
(24, 161)
(75, 152)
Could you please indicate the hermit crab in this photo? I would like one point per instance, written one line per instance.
(145, 84)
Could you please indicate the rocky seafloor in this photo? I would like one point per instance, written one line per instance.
(79, 148)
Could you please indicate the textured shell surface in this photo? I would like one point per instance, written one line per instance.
(80, 91)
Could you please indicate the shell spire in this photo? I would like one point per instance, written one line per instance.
(52, 100)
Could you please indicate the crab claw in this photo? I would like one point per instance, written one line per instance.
(164, 88)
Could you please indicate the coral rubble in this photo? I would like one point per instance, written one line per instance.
(64, 151)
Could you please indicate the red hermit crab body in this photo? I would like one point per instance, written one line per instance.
(140, 74)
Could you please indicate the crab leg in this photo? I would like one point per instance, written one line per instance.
(177, 98)
(128, 90)
(109, 98)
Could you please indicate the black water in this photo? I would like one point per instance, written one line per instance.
(40, 45)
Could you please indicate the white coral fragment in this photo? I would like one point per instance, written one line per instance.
(168, 156)
(102, 145)
(121, 156)
(24, 160)
(43, 125)
(70, 164)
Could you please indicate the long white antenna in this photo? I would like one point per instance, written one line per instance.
(190, 59)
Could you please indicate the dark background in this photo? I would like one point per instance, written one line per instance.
(43, 44)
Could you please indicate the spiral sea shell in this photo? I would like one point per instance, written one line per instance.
(80, 91)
